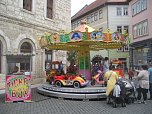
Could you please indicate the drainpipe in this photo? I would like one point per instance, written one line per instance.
(107, 25)
(107, 16)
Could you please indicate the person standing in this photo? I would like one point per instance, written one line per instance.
(130, 74)
(47, 72)
(110, 78)
(143, 81)
(150, 81)
(47, 68)
(106, 65)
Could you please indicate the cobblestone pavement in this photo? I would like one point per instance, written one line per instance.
(48, 105)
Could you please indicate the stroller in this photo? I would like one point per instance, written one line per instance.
(117, 95)
(130, 96)
(123, 92)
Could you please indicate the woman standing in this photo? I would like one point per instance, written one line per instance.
(143, 80)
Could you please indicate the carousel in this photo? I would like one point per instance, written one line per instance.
(82, 40)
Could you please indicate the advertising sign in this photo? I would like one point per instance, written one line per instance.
(18, 88)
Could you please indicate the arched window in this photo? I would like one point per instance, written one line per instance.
(25, 48)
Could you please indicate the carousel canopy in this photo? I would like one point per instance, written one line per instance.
(84, 38)
(84, 27)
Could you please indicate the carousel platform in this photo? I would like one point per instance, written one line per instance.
(85, 93)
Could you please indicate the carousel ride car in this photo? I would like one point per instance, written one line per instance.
(69, 80)
(57, 77)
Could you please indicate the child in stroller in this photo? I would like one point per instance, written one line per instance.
(123, 92)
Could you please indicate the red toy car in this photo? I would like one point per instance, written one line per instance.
(69, 80)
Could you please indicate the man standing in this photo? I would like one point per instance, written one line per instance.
(150, 81)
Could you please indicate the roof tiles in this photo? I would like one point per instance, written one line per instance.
(94, 5)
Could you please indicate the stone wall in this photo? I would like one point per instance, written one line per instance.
(18, 25)
(2, 81)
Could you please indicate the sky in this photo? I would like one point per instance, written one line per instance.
(76, 5)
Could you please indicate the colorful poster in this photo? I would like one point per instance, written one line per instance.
(55, 38)
(96, 35)
(18, 88)
(75, 36)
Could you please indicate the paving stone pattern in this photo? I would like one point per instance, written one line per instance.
(48, 105)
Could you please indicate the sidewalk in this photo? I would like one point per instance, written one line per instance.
(2, 91)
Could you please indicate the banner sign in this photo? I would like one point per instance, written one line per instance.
(18, 88)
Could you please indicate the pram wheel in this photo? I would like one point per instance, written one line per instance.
(108, 100)
(114, 105)
(123, 104)
(130, 101)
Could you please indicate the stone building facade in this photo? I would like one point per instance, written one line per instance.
(22, 22)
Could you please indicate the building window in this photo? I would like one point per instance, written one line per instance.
(85, 19)
(119, 29)
(125, 11)
(78, 23)
(143, 4)
(119, 11)
(120, 49)
(135, 31)
(72, 26)
(126, 48)
(123, 49)
(101, 29)
(88, 19)
(139, 6)
(140, 56)
(96, 16)
(126, 28)
(133, 9)
(27, 4)
(92, 17)
(48, 56)
(75, 24)
(50, 9)
(145, 31)
(100, 14)
(140, 29)
(25, 48)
